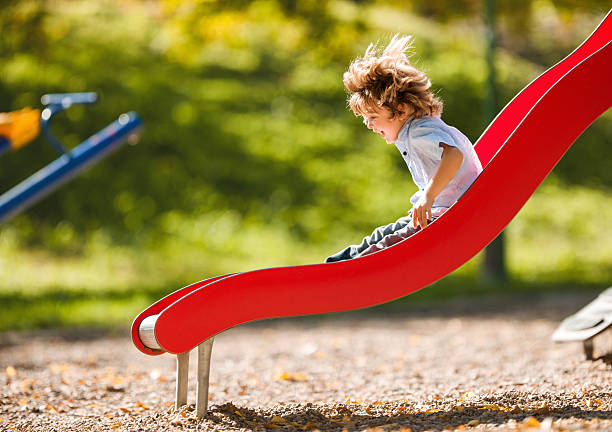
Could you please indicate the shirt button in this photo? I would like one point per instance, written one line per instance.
(405, 153)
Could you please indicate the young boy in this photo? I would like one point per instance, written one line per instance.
(395, 101)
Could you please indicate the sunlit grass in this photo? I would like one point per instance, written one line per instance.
(560, 239)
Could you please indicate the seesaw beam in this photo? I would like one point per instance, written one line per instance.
(68, 165)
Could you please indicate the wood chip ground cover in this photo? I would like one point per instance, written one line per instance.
(483, 364)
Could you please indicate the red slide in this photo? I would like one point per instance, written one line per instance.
(519, 149)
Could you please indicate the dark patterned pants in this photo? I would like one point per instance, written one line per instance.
(381, 238)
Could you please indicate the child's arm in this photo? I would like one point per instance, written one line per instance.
(451, 161)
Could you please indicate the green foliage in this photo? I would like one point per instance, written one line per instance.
(249, 157)
(243, 105)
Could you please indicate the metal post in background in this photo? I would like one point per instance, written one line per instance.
(493, 268)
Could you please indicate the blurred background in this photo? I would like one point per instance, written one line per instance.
(250, 157)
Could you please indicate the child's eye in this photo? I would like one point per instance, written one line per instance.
(367, 120)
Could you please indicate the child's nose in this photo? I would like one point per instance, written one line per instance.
(370, 124)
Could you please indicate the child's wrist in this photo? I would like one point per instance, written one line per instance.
(430, 195)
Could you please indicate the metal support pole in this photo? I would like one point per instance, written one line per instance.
(204, 353)
(588, 348)
(182, 379)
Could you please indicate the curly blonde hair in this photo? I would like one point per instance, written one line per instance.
(388, 79)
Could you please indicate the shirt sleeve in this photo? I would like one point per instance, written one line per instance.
(426, 138)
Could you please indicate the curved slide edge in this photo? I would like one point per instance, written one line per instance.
(534, 148)
(512, 114)
(162, 304)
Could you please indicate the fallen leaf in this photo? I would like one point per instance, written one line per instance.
(467, 395)
(10, 371)
(310, 425)
(286, 376)
(278, 420)
(531, 422)
(542, 409)
(473, 423)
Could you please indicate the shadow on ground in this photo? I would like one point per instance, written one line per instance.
(394, 416)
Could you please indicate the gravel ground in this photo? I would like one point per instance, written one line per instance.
(486, 364)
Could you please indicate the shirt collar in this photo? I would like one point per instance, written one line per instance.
(403, 133)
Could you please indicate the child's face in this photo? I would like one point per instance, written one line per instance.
(382, 122)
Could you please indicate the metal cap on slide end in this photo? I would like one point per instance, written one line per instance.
(146, 332)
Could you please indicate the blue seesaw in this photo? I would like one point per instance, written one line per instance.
(70, 163)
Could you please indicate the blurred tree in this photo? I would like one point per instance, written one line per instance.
(22, 30)
(493, 266)
(22, 26)
(244, 107)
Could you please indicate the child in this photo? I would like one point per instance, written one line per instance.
(395, 101)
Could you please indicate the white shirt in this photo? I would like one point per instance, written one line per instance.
(419, 143)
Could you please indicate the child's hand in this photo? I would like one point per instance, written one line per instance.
(421, 212)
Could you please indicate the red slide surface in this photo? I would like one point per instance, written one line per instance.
(519, 149)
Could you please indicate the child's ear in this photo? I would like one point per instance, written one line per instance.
(404, 110)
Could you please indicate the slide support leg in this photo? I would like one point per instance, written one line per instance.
(588, 348)
(182, 379)
(204, 353)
